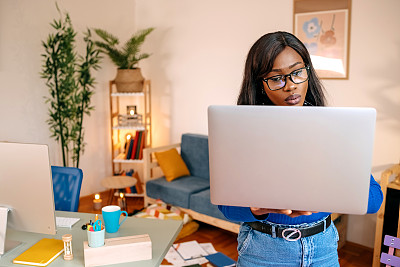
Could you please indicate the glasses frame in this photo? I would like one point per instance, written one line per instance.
(290, 77)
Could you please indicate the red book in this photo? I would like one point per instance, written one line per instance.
(138, 145)
(135, 145)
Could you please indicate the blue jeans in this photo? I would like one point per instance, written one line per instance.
(259, 249)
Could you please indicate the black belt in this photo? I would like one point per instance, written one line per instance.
(288, 233)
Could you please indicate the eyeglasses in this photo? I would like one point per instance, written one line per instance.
(279, 81)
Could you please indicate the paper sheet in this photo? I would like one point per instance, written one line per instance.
(190, 250)
(208, 247)
(193, 252)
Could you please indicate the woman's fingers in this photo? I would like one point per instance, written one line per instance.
(291, 213)
(296, 213)
(286, 212)
(261, 211)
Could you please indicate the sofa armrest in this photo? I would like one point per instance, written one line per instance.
(149, 164)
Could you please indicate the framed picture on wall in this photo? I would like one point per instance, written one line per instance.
(324, 28)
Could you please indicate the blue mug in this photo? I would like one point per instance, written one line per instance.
(111, 216)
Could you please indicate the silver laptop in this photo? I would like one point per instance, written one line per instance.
(299, 158)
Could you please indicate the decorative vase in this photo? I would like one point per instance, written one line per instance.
(129, 80)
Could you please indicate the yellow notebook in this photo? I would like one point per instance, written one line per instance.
(41, 253)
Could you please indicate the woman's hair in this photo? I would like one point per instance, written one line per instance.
(260, 61)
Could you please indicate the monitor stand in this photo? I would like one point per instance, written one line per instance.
(5, 245)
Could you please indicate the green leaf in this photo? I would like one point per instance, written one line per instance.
(127, 56)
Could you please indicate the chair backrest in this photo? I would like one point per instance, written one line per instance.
(194, 152)
(388, 258)
(67, 183)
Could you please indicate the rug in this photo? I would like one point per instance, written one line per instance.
(162, 211)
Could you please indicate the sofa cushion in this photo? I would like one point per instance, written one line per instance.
(194, 151)
(200, 202)
(176, 192)
(172, 164)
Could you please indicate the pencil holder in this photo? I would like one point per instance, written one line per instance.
(96, 238)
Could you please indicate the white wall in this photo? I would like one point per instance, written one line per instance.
(199, 49)
(199, 52)
(374, 68)
(23, 25)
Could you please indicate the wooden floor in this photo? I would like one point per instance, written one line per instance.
(350, 255)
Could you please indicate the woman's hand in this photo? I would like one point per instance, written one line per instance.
(291, 213)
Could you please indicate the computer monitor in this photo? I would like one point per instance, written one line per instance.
(26, 191)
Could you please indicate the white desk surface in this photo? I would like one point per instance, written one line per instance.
(162, 234)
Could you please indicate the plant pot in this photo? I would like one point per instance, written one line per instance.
(129, 80)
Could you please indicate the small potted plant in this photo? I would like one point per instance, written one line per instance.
(129, 77)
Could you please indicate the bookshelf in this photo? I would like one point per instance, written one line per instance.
(121, 126)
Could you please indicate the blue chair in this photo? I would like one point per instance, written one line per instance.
(67, 183)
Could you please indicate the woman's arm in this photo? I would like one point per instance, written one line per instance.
(375, 196)
(237, 214)
(244, 214)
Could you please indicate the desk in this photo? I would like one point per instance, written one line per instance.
(162, 234)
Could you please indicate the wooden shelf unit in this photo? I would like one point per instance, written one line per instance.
(143, 99)
(392, 171)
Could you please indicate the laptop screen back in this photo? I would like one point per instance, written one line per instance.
(300, 158)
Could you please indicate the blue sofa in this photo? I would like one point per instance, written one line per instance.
(190, 193)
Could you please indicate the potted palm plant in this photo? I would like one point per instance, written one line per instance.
(129, 77)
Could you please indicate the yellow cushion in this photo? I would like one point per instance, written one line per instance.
(171, 164)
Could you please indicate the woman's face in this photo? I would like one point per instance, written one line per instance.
(291, 94)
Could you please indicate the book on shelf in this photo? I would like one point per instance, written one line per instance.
(128, 156)
(132, 189)
(138, 145)
(142, 145)
(127, 147)
(139, 185)
(135, 145)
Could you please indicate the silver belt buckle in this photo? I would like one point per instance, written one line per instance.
(288, 233)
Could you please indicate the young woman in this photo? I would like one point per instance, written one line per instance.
(279, 71)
